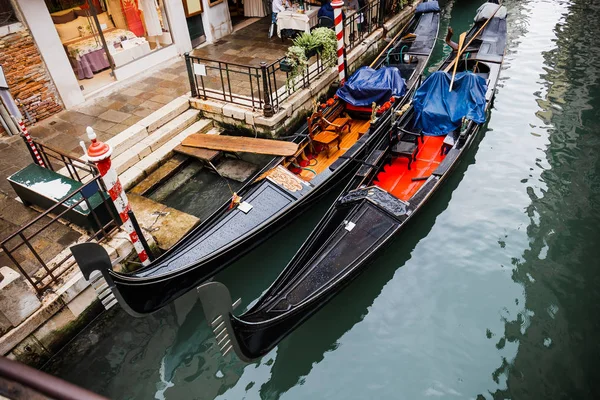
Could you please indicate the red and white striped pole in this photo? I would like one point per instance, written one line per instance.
(339, 33)
(99, 153)
(31, 144)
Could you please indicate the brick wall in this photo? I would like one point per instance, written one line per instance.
(26, 74)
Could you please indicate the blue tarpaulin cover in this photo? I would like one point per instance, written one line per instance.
(439, 112)
(430, 6)
(368, 85)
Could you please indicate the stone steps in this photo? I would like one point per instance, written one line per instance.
(154, 141)
(138, 171)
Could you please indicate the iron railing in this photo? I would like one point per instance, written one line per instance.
(361, 23)
(27, 244)
(264, 87)
(260, 88)
(77, 169)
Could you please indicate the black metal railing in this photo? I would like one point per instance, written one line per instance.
(27, 247)
(54, 159)
(361, 23)
(260, 88)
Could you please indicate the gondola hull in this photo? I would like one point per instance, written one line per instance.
(365, 217)
(229, 234)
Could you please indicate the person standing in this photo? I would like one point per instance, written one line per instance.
(277, 7)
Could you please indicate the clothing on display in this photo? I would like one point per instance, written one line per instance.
(151, 18)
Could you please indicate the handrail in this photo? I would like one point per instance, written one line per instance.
(41, 383)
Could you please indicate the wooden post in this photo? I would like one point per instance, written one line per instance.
(338, 19)
(268, 108)
(99, 153)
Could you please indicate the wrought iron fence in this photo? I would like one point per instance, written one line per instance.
(260, 88)
(77, 169)
(26, 247)
(361, 23)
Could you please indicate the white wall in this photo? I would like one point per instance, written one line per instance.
(178, 25)
(150, 60)
(216, 20)
(44, 34)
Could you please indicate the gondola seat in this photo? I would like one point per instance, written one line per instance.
(339, 125)
(406, 149)
(328, 139)
(408, 144)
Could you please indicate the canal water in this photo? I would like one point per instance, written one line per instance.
(493, 292)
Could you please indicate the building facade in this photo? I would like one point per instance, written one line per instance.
(57, 53)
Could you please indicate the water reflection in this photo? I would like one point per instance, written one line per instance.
(490, 293)
(554, 358)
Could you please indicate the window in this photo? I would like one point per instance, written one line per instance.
(7, 13)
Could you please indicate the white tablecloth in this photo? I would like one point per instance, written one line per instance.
(254, 8)
(297, 21)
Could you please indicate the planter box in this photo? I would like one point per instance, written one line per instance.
(285, 65)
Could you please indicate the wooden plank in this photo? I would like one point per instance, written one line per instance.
(201, 154)
(239, 143)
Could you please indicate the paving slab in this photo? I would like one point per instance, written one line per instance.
(166, 229)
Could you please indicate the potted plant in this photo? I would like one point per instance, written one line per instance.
(286, 65)
(308, 43)
(326, 44)
(295, 62)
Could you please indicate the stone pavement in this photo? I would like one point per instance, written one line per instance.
(247, 47)
(108, 115)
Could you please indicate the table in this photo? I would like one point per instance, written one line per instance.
(123, 56)
(90, 63)
(296, 21)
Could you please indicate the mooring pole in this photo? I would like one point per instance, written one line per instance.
(99, 153)
(29, 141)
(13, 111)
(339, 33)
(268, 107)
(140, 234)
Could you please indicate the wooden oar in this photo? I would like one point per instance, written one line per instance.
(461, 41)
(473, 38)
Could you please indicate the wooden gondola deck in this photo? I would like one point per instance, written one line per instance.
(323, 160)
(397, 179)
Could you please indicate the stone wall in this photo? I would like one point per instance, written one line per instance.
(26, 74)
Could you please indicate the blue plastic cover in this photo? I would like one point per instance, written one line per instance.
(430, 6)
(439, 112)
(368, 85)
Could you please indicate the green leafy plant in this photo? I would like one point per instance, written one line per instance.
(307, 42)
(296, 58)
(326, 44)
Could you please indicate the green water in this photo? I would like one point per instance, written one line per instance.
(491, 293)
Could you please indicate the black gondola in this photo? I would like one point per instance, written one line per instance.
(277, 193)
(378, 202)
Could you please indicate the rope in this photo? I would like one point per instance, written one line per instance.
(402, 48)
(331, 123)
(225, 179)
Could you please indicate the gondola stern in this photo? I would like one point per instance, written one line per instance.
(218, 311)
(95, 265)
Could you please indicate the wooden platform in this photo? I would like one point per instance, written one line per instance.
(323, 160)
(239, 143)
(201, 154)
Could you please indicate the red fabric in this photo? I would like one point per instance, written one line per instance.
(132, 15)
(397, 179)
